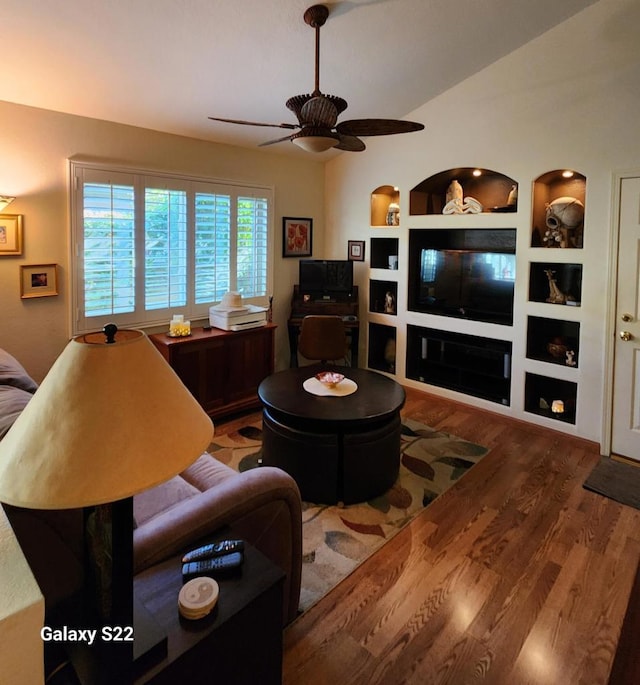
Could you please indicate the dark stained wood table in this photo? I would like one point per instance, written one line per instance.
(239, 643)
(337, 448)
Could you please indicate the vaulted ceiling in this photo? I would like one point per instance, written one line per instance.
(169, 64)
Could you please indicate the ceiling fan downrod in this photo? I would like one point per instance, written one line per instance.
(316, 16)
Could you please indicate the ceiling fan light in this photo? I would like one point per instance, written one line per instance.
(315, 143)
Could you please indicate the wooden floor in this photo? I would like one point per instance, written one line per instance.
(516, 575)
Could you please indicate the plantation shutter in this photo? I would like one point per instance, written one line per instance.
(107, 245)
(150, 245)
(252, 246)
(213, 246)
(165, 253)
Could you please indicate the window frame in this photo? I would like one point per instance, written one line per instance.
(82, 171)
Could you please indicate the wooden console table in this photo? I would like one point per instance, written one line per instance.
(222, 369)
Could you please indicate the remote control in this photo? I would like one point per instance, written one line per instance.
(215, 549)
(212, 567)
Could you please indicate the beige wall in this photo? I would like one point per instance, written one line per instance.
(568, 99)
(36, 145)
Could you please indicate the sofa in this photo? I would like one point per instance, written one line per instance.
(261, 506)
(43, 535)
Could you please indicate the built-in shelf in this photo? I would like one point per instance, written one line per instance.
(553, 341)
(383, 297)
(469, 364)
(385, 206)
(555, 283)
(559, 199)
(382, 348)
(550, 397)
(494, 191)
(382, 249)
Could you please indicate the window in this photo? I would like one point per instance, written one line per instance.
(147, 246)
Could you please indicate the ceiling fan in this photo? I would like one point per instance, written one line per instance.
(317, 129)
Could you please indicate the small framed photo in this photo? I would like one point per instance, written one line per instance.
(297, 237)
(355, 250)
(10, 234)
(38, 280)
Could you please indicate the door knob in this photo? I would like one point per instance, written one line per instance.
(626, 336)
(626, 318)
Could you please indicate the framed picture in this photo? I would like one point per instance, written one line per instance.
(38, 280)
(10, 234)
(297, 237)
(355, 250)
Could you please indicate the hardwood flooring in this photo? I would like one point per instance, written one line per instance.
(516, 575)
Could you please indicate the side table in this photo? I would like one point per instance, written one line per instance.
(239, 643)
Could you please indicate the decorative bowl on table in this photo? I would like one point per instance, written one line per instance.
(330, 378)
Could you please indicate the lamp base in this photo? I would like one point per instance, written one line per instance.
(109, 596)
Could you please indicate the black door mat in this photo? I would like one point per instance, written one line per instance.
(617, 481)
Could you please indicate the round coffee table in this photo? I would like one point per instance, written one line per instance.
(337, 448)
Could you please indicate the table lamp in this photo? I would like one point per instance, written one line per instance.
(110, 419)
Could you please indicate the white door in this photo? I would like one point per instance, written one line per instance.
(626, 375)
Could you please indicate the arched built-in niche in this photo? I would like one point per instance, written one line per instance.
(494, 192)
(553, 186)
(385, 206)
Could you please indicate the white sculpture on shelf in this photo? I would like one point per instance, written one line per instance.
(454, 192)
(469, 206)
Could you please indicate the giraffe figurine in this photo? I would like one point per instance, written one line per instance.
(556, 296)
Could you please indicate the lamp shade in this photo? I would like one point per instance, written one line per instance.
(108, 421)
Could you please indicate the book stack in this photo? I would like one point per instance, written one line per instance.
(237, 318)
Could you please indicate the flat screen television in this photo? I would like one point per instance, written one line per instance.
(325, 277)
(472, 283)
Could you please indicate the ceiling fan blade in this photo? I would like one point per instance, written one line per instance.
(277, 140)
(350, 144)
(319, 111)
(253, 123)
(377, 127)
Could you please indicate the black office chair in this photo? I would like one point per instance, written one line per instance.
(323, 338)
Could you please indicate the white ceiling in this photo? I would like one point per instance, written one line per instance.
(168, 64)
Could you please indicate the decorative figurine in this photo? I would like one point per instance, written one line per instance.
(564, 217)
(557, 347)
(556, 296)
(389, 303)
(571, 358)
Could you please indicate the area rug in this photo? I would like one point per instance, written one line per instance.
(615, 480)
(337, 539)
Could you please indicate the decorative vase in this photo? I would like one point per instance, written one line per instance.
(393, 214)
